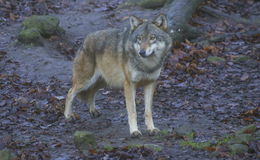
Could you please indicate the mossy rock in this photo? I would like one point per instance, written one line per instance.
(6, 155)
(238, 148)
(47, 25)
(150, 4)
(215, 59)
(39, 26)
(30, 35)
(84, 140)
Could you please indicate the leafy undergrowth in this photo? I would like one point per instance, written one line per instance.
(127, 152)
(27, 105)
(240, 143)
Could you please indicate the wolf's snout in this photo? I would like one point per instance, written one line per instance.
(142, 52)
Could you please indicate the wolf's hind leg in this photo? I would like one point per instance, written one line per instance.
(148, 93)
(90, 97)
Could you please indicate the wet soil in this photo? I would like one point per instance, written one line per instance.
(213, 98)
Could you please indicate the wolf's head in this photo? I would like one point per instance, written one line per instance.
(149, 38)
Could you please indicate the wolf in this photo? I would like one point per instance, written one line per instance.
(128, 58)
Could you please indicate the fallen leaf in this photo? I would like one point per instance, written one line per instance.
(244, 77)
(59, 97)
(211, 149)
(248, 119)
(93, 151)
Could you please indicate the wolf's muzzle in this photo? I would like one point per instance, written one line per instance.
(142, 53)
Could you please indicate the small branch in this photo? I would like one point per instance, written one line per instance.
(238, 19)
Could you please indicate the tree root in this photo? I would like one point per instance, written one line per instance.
(238, 19)
(222, 37)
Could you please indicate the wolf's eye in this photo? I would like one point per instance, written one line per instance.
(139, 38)
(152, 37)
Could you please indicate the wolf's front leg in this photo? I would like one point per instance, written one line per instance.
(129, 91)
(68, 105)
(148, 95)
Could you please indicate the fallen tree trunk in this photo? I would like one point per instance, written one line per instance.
(179, 14)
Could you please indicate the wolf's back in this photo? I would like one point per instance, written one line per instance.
(103, 41)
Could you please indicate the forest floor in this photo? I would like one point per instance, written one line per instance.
(215, 99)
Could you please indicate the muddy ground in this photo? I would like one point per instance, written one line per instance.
(214, 98)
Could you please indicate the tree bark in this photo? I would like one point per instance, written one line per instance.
(179, 14)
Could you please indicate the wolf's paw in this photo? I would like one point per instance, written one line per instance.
(136, 134)
(68, 115)
(95, 114)
(72, 117)
(153, 132)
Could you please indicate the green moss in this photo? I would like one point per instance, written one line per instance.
(134, 146)
(241, 59)
(215, 59)
(47, 25)
(35, 27)
(164, 132)
(30, 35)
(190, 136)
(84, 140)
(185, 131)
(108, 148)
(225, 140)
(195, 145)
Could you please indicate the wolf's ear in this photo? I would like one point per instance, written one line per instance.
(161, 22)
(135, 22)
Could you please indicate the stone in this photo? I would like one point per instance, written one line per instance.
(84, 140)
(35, 27)
(30, 35)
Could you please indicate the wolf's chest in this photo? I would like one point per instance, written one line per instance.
(137, 76)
